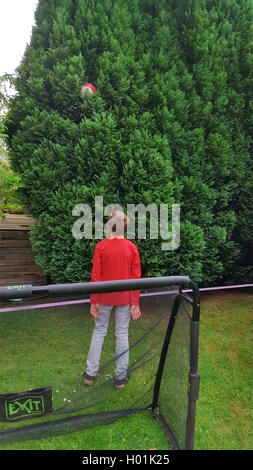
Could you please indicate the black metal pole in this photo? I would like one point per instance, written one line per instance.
(23, 291)
(196, 301)
(194, 381)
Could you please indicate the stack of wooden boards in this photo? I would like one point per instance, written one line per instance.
(17, 259)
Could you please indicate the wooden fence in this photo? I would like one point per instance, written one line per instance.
(17, 259)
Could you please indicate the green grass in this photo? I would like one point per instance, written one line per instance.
(51, 344)
(224, 410)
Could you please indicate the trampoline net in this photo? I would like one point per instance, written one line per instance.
(46, 347)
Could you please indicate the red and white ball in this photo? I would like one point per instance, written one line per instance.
(88, 89)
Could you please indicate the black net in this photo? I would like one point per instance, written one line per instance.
(44, 350)
(173, 394)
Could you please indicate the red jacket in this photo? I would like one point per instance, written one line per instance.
(115, 259)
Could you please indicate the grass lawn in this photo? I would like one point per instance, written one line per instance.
(224, 415)
(224, 410)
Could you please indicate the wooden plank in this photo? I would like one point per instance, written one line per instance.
(15, 243)
(16, 222)
(17, 261)
(14, 234)
(5, 250)
(21, 268)
(17, 258)
(13, 275)
(13, 220)
(10, 280)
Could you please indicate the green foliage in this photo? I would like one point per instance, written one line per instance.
(9, 184)
(9, 181)
(170, 123)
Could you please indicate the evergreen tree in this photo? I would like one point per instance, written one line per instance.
(210, 34)
(168, 124)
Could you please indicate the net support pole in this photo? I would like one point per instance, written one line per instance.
(194, 381)
(194, 377)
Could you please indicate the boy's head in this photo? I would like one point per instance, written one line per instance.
(118, 222)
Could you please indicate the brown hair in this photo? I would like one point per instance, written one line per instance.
(118, 222)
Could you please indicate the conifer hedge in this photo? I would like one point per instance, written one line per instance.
(171, 123)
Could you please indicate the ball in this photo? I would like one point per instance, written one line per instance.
(88, 89)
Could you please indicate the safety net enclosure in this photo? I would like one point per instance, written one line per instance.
(45, 334)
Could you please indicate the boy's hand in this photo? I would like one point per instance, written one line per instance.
(95, 310)
(135, 312)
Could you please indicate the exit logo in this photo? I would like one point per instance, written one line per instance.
(22, 405)
(27, 406)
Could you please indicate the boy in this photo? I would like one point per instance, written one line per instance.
(114, 258)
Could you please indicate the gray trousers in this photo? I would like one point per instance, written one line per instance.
(122, 320)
